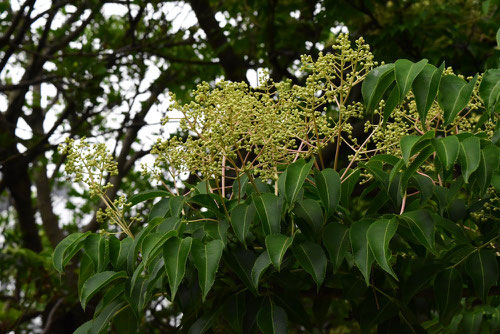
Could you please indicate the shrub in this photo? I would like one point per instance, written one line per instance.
(287, 232)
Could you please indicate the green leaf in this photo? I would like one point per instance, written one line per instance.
(84, 328)
(277, 245)
(260, 265)
(482, 267)
(175, 255)
(206, 258)
(423, 227)
(490, 157)
(375, 85)
(272, 319)
(145, 195)
(153, 243)
(137, 243)
(296, 174)
(471, 322)
(268, 212)
(328, 185)
(406, 144)
(217, 230)
(239, 186)
(391, 103)
(96, 247)
(406, 71)
(170, 224)
(469, 156)
(66, 249)
(454, 94)
(336, 241)
(363, 257)
(204, 323)
(234, 310)
(241, 262)
(425, 88)
(175, 205)
(96, 282)
(489, 89)
(160, 209)
(241, 219)
(378, 236)
(311, 212)
(100, 322)
(86, 270)
(209, 202)
(447, 150)
(312, 258)
(419, 160)
(448, 287)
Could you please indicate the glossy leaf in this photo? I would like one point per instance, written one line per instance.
(482, 267)
(336, 241)
(272, 319)
(66, 249)
(454, 94)
(415, 165)
(489, 89)
(310, 211)
(206, 259)
(391, 103)
(363, 257)
(160, 209)
(146, 195)
(175, 255)
(268, 211)
(277, 245)
(296, 174)
(100, 322)
(375, 85)
(118, 250)
(469, 156)
(96, 247)
(86, 270)
(406, 71)
(378, 236)
(425, 88)
(328, 185)
(312, 258)
(490, 157)
(241, 262)
(241, 219)
(423, 227)
(448, 287)
(96, 282)
(447, 150)
(260, 265)
(153, 242)
(203, 323)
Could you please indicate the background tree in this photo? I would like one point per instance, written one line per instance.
(103, 68)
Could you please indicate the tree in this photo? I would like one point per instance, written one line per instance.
(74, 58)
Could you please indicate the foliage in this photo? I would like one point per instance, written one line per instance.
(400, 239)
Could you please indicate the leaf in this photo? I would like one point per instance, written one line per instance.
(489, 89)
(207, 201)
(96, 282)
(469, 156)
(277, 245)
(490, 157)
(241, 262)
(336, 241)
(312, 258)
(84, 328)
(328, 185)
(175, 255)
(66, 249)
(296, 174)
(268, 212)
(378, 236)
(145, 195)
(217, 229)
(160, 209)
(241, 219)
(363, 257)
(86, 270)
(260, 265)
(446, 150)
(471, 322)
(153, 243)
(454, 94)
(239, 186)
(272, 319)
(311, 212)
(175, 205)
(406, 71)
(425, 88)
(101, 321)
(482, 267)
(375, 85)
(170, 224)
(97, 249)
(204, 323)
(448, 287)
(234, 310)
(419, 160)
(391, 103)
(206, 258)
(118, 250)
(423, 227)
(406, 144)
